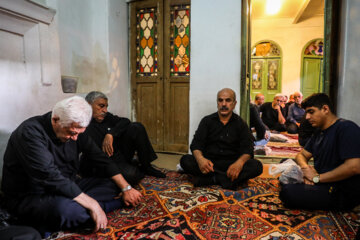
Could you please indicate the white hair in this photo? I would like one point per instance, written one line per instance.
(278, 95)
(73, 110)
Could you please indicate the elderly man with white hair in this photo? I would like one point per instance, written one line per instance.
(40, 180)
(295, 114)
(272, 113)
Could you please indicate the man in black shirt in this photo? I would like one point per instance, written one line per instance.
(40, 180)
(120, 139)
(222, 147)
(272, 114)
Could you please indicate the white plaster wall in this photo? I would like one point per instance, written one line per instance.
(215, 55)
(93, 41)
(22, 91)
(348, 106)
(291, 39)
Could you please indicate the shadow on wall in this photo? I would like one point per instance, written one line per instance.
(93, 71)
(4, 138)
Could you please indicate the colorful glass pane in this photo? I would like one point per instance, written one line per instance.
(180, 40)
(266, 49)
(257, 70)
(146, 43)
(315, 48)
(273, 67)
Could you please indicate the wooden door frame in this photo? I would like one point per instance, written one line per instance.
(330, 60)
(321, 84)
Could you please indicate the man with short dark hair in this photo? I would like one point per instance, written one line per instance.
(120, 139)
(259, 100)
(334, 180)
(222, 148)
(40, 179)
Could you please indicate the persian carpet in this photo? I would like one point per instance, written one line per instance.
(174, 209)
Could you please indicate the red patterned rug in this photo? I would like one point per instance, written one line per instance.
(174, 209)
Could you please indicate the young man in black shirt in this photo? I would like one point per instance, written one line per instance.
(334, 180)
(120, 139)
(222, 148)
(40, 180)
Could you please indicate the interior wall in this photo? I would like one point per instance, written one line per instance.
(291, 38)
(215, 55)
(28, 86)
(93, 41)
(348, 106)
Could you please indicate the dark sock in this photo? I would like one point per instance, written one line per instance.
(154, 172)
(206, 180)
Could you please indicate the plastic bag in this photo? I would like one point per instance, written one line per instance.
(291, 172)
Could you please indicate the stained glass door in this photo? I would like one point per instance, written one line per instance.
(160, 70)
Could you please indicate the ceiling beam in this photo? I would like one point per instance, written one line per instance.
(301, 11)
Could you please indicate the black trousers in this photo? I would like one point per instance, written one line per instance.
(320, 196)
(19, 233)
(292, 128)
(135, 139)
(252, 168)
(50, 213)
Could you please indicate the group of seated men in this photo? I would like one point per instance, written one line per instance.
(48, 186)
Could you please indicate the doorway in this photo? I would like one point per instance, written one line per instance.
(160, 70)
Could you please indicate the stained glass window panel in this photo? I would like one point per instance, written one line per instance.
(146, 43)
(180, 40)
(265, 49)
(315, 48)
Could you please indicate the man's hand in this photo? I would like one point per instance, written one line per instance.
(309, 173)
(107, 146)
(132, 197)
(96, 212)
(206, 166)
(234, 170)
(99, 217)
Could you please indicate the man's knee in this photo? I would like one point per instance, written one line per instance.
(69, 213)
(187, 162)
(287, 194)
(255, 167)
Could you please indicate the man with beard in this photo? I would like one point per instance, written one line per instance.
(120, 139)
(222, 148)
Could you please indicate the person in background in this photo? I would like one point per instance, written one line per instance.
(272, 114)
(259, 100)
(295, 114)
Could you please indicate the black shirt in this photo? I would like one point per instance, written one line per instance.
(36, 162)
(269, 115)
(256, 122)
(111, 124)
(218, 141)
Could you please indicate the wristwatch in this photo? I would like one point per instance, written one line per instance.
(316, 179)
(127, 188)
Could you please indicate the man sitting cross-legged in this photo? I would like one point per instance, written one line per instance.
(119, 139)
(334, 181)
(222, 148)
(40, 179)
